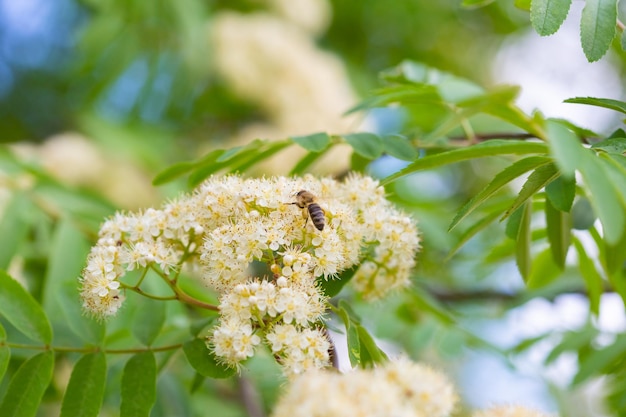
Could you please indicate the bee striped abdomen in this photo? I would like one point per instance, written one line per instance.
(317, 216)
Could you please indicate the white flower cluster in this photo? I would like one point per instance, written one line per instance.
(284, 310)
(398, 388)
(229, 226)
(509, 411)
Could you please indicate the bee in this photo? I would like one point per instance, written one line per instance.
(306, 200)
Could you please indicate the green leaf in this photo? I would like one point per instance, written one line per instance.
(558, 224)
(543, 270)
(425, 302)
(5, 352)
(604, 199)
(27, 386)
(90, 330)
(523, 4)
(317, 142)
(399, 147)
(472, 4)
(204, 361)
(522, 249)
(535, 182)
(22, 311)
(367, 341)
(238, 151)
(565, 147)
(622, 40)
(477, 226)
(66, 259)
(500, 180)
(352, 335)
(368, 145)
(148, 321)
(607, 103)
(598, 361)
(332, 287)
(512, 225)
(615, 260)
(547, 16)
(488, 148)
(612, 145)
(597, 27)
(139, 385)
(174, 171)
(572, 342)
(561, 193)
(85, 391)
(303, 164)
(591, 276)
(583, 216)
(13, 224)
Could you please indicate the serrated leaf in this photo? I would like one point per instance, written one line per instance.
(237, 151)
(591, 276)
(139, 385)
(173, 171)
(572, 342)
(85, 391)
(547, 16)
(148, 320)
(512, 225)
(317, 142)
(204, 361)
(252, 158)
(597, 27)
(558, 225)
(488, 148)
(500, 180)
(561, 193)
(368, 145)
(425, 302)
(543, 270)
(5, 352)
(303, 164)
(13, 224)
(66, 259)
(332, 287)
(399, 147)
(477, 226)
(565, 147)
(599, 360)
(366, 341)
(615, 260)
(22, 311)
(604, 199)
(90, 330)
(352, 335)
(27, 386)
(522, 249)
(583, 215)
(535, 182)
(607, 103)
(612, 145)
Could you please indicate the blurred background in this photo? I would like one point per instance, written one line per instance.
(104, 94)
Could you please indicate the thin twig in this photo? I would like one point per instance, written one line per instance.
(250, 397)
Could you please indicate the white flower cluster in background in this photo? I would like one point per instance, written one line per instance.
(397, 388)
(229, 226)
(509, 411)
